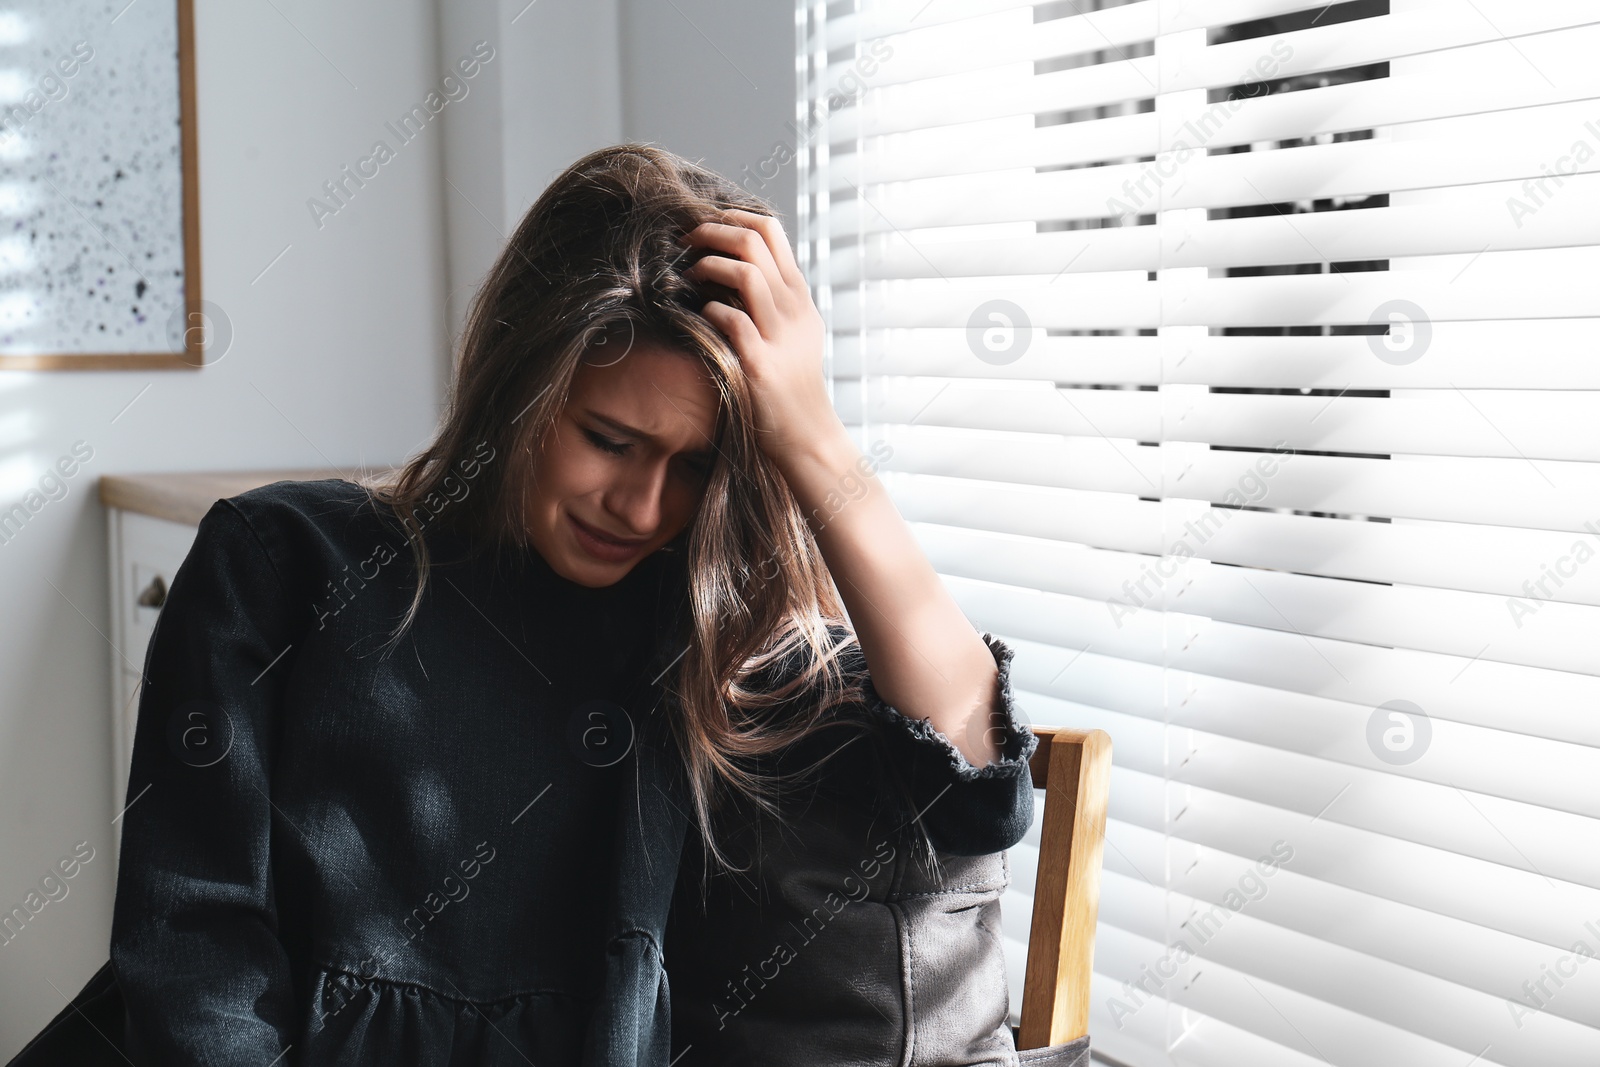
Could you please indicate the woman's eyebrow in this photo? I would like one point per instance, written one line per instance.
(620, 427)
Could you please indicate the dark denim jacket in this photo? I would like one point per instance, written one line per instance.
(338, 852)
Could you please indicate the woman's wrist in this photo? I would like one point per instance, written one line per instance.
(817, 462)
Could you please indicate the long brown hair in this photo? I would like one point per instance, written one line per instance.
(596, 265)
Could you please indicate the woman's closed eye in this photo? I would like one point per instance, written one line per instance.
(696, 466)
(606, 444)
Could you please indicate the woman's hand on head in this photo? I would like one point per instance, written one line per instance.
(925, 658)
(778, 336)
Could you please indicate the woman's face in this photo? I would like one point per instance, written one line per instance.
(623, 466)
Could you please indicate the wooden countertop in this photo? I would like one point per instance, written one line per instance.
(186, 496)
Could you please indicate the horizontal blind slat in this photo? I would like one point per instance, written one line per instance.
(1471, 355)
(1089, 679)
(888, 17)
(1496, 287)
(1447, 24)
(1524, 424)
(1464, 221)
(1098, 478)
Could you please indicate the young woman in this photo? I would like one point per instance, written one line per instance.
(417, 760)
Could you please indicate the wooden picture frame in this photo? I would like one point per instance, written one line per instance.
(185, 328)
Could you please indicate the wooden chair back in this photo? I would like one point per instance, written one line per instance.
(1073, 767)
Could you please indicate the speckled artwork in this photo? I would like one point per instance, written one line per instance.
(91, 183)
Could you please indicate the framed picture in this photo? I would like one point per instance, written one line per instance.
(100, 252)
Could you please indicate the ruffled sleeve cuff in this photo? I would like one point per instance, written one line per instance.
(1016, 742)
(965, 810)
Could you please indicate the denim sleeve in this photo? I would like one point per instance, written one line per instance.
(966, 810)
(194, 940)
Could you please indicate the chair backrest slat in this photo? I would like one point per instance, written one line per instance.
(1073, 767)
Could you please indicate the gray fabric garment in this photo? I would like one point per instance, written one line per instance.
(1070, 1054)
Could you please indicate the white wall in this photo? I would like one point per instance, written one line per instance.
(714, 80)
(550, 96)
(340, 351)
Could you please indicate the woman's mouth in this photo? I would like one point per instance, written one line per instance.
(604, 546)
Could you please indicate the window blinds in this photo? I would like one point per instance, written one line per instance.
(1238, 362)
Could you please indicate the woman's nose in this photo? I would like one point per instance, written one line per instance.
(635, 498)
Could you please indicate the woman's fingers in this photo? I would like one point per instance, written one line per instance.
(751, 284)
(734, 324)
(778, 335)
(754, 244)
(771, 231)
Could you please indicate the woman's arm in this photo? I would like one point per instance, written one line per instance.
(194, 940)
(924, 656)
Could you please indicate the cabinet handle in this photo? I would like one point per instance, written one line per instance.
(154, 595)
